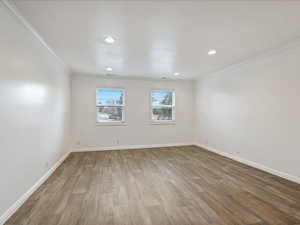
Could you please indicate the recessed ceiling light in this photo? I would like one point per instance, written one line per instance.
(176, 74)
(109, 40)
(109, 69)
(212, 52)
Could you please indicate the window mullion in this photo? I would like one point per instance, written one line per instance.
(162, 113)
(110, 113)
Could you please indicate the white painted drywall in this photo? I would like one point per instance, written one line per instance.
(139, 130)
(252, 110)
(34, 109)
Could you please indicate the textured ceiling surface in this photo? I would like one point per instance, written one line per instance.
(158, 38)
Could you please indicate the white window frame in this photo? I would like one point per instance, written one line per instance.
(164, 122)
(112, 123)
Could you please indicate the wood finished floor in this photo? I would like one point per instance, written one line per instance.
(161, 186)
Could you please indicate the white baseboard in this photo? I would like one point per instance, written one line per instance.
(253, 164)
(124, 147)
(24, 197)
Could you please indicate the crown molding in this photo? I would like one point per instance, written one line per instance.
(123, 77)
(13, 9)
(295, 43)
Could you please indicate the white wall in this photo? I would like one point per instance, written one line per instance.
(252, 111)
(34, 109)
(139, 130)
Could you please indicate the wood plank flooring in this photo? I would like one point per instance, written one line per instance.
(160, 186)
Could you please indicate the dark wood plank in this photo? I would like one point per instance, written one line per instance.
(160, 186)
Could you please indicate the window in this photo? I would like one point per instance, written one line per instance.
(163, 105)
(110, 103)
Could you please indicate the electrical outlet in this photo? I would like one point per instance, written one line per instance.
(78, 143)
(117, 141)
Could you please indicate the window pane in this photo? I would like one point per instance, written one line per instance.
(109, 113)
(162, 114)
(162, 98)
(109, 96)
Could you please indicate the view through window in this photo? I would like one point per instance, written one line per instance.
(163, 105)
(110, 103)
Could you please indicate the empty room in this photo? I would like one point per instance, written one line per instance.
(135, 112)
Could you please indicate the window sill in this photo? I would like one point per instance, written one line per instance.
(111, 124)
(163, 122)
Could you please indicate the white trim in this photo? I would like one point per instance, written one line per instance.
(253, 164)
(12, 8)
(116, 123)
(125, 147)
(295, 43)
(27, 194)
(163, 122)
(123, 106)
(173, 107)
(130, 77)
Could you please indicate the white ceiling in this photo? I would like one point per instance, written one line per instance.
(158, 38)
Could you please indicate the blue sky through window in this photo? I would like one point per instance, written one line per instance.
(109, 96)
(161, 97)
